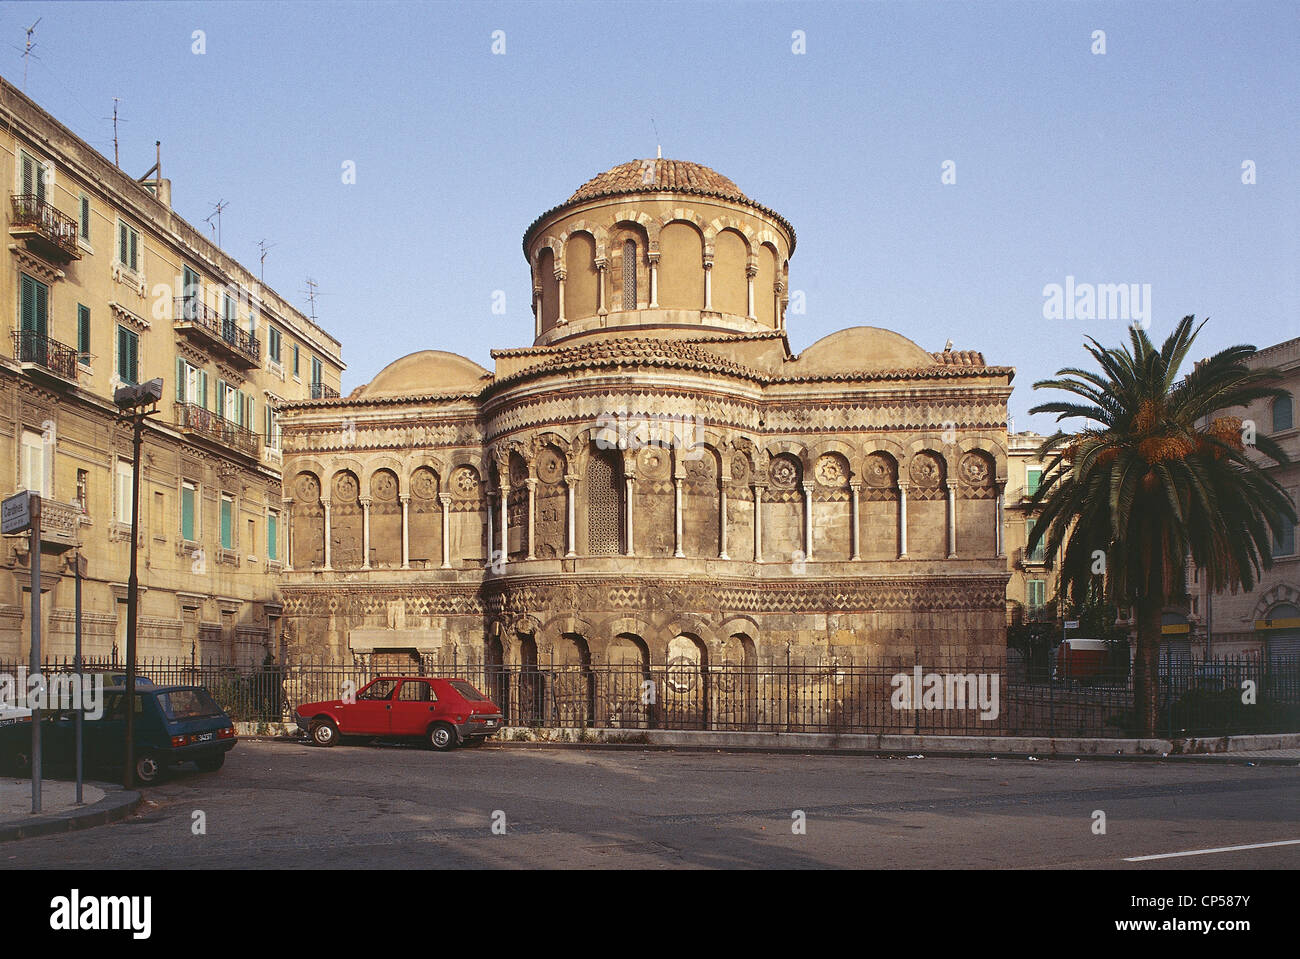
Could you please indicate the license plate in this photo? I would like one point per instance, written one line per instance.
(491, 722)
(204, 737)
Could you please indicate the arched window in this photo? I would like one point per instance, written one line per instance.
(629, 275)
(1283, 414)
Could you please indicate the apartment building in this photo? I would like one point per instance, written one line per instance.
(106, 285)
(1032, 584)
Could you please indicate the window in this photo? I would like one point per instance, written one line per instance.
(83, 490)
(1036, 593)
(317, 370)
(191, 383)
(158, 517)
(83, 218)
(273, 535)
(295, 359)
(227, 521)
(1284, 542)
(273, 343)
(629, 275)
(415, 691)
(229, 317)
(34, 176)
(252, 534)
(34, 305)
(1036, 554)
(1283, 414)
(122, 504)
(128, 246)
(83, 334)
(1033, 478)
(189, 510)
(191, 293)
(33, 465)
(271, 424)
(128, 356)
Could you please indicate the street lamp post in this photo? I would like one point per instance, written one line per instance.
(136, 403)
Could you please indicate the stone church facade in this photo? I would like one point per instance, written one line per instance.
(658, 478)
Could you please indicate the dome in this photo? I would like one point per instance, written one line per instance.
(425, 373)
(653, 176)
(861, 348)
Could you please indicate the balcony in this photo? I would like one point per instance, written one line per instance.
(319, 391)
(60, 525)
(207, 329)
(44, 355)
(195, 419)
(49, 233)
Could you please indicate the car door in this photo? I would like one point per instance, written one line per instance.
(371, 714)
(414, 708)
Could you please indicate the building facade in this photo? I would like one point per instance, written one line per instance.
(1265, 620)
(106, 285)
(1032, 587)
(657, 478)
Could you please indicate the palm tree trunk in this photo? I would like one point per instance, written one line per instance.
(1146, 672)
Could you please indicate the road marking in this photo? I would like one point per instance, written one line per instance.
(1206, 852)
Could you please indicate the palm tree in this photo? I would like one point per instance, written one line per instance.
(1157, 475)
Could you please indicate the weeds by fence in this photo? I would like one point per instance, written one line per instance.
(989, 697)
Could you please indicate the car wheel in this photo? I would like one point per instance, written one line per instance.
(324, 733)
(442, 736)
(210, 764)
(147, 769)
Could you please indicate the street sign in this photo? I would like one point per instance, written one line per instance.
(1071, 624)
(17, 512)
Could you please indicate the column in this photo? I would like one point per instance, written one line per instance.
(807, 521)
(997, 522)
(722, 521)
(708, 282)
(445, 500)
(505, 524)
(406, 531)
(491, 532)
(677, 517)
(571, 527)
(758, 524)
(600, 285)
(854, 488)
(952, 520)
(653, 257)
(365, 532)
(537, 311)
(750, 272)
(902, 520)
(631, 548)
(326, 504)
(560, 274)
(287, 513)
(531, 482)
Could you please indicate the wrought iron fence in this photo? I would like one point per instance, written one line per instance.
(192, 417)
(191, 309)
(972, 697)
(33, 347)
(57, 227)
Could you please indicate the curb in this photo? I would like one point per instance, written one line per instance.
(117, 804)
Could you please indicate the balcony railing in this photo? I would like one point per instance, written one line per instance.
(54, 233)
(195, 419)
(319, 391)
(193, 313)
(59, 359)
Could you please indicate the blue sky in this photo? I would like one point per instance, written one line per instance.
(1124, 167)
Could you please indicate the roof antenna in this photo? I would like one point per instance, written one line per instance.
(262, 245)
(116, 162)
(659, 150)
(216, 212)
(312, 292)
(28, 52)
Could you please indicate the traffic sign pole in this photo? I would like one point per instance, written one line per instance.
(35, 507)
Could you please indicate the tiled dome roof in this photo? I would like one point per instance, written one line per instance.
(645, 176)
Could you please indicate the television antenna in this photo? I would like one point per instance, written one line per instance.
(116, 121)
(27, 52)
(216, 212)
(263, 248)
(311, 293)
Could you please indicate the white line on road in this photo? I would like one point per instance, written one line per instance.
(1206, 852)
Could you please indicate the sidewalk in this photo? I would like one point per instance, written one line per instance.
(1273, 749)
(103, 803)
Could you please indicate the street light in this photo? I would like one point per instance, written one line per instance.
(136, 402)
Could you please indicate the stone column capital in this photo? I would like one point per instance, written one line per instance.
(444, 499)
(404, 497)
(365, 501)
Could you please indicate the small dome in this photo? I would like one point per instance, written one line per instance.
(649, 176)
(861, 348)
(425, 373)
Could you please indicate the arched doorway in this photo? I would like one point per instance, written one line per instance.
(629, 697)
(686, 684)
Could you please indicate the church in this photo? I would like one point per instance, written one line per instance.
(657, 478)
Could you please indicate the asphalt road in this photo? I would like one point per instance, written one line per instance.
(285, 805)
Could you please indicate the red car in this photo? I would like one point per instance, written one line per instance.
(443, 712)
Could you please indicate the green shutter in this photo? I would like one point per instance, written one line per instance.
(180, 380)
(272, 537)
(121, 242)
(28, 304)
(85, 218)
(226, 522)
(83, 329)
(135, 237)
(29, 186)
(203, 389)
(187, 514)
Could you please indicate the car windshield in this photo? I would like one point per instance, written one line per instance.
(188, 704)
(468, 691)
